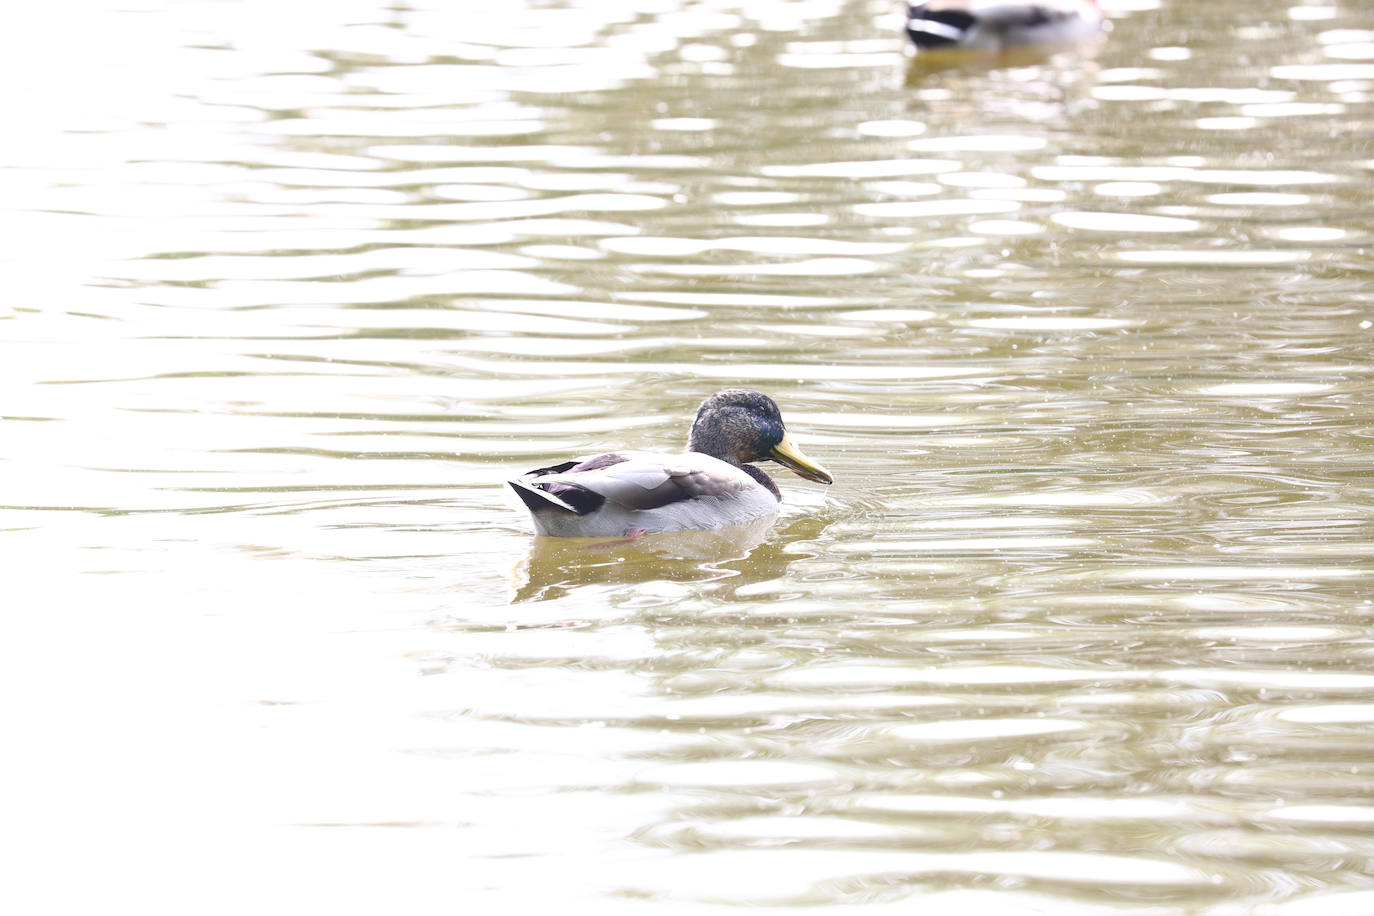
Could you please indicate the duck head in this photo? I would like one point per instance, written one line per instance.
(743, 426)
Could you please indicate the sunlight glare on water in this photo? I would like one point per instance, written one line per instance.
(1083, 626)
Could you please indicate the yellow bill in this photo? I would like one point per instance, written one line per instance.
(791, 457)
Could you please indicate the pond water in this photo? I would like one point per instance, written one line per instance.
(1083, 627)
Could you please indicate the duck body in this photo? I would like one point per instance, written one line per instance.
(712, 485)
(618, 493)
(999, 25)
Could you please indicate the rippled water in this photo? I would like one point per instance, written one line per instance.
(1083, 626)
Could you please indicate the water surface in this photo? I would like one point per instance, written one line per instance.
(1082, 627)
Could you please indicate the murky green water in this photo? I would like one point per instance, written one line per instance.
(1083, 627)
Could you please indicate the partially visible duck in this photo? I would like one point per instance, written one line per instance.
(998, 25)
(712, 485)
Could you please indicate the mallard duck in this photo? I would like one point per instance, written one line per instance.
(998, 25)
(712, 485)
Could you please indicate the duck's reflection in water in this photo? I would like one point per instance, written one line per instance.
(1063, 56)
(753, 552)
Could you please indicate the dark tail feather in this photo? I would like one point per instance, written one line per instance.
(537, 500)
(937, 28)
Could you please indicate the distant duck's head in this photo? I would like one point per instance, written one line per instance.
(743, 426)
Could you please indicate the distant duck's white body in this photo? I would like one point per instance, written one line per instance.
(999, 25)
(711, 486)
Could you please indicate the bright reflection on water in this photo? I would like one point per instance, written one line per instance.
(1083, 627)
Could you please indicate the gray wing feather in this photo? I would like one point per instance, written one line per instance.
(649, 484)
